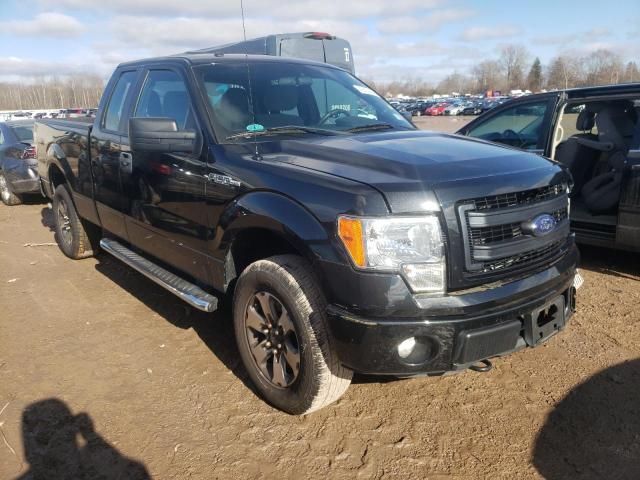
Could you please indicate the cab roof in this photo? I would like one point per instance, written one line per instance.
(195, 59)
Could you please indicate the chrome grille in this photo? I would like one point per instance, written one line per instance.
(495, 229)
(514, 199)
(510, 231)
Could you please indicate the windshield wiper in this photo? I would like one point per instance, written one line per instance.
(370, 127)
(292, 129)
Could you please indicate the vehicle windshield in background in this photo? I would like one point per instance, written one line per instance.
(292, 95)
(24, 134)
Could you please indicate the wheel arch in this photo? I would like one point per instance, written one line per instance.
(263, 224)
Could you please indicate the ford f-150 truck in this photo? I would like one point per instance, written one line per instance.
(345, 242)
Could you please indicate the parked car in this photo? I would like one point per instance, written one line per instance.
(595, 134)
(436, 109)
(454, 109)
(419, 109)
(474, 108)
(343, 243)
(18, 164)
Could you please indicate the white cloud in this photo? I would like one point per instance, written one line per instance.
(326, 9)
(47, 24)
(426, 24)
(474, 34)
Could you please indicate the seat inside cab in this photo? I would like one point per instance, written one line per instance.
(594, 140)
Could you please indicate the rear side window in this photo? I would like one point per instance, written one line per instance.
(116, 104)
(24, 134)
(165, 95)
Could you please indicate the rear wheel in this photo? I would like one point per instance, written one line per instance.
(283, 337)
(8, 197)
(73, 238)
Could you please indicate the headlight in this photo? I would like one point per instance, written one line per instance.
(411, 246)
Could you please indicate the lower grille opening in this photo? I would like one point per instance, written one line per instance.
(525, 258)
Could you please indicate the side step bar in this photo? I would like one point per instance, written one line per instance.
(190, 293)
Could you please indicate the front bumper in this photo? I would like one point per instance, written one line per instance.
(454, 331)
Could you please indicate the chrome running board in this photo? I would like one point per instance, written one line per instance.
(190, 293)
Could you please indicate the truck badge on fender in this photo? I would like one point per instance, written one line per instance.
(222, 180)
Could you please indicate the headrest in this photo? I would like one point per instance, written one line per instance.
(233, 109)
(614, 124)
(280, 98)
(586, 120)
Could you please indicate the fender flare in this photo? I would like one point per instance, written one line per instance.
(281, 215)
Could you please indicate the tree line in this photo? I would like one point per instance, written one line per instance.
(78, 91)
(515, 68)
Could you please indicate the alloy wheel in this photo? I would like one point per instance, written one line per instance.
(4, 189)
(272, 339)
(64, 222)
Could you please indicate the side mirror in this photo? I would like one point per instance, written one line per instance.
(159, 135)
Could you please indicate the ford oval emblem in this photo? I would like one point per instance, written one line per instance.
(541, 225)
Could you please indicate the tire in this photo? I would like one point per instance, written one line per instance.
(75, 239)
(321, 379)
(8, 197)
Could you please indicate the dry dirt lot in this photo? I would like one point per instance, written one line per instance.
(105, 375)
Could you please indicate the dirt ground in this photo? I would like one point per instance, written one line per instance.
(105, 375)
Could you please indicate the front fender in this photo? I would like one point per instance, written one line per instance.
(282, 215)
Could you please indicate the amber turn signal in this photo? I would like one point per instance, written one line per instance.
(350, 232)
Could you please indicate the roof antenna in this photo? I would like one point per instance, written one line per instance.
(256, 155)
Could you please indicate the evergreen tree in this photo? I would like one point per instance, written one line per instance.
(534, 79)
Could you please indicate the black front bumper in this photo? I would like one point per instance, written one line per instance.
(455, 331)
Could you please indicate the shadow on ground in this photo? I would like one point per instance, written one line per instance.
(594, 432)
(60, 445)
(613, 262)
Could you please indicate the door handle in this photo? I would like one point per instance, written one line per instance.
(125, 159)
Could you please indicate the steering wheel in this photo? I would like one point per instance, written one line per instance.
(512, 135)
(333, 113)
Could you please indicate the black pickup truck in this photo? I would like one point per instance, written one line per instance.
(346, 239)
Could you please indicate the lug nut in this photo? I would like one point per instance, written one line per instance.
(268, 344)
(265, 330)
(274, 351)
(279, 345)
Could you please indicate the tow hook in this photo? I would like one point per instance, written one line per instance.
(483, 366)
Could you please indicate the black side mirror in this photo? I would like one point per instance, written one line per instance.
(159, 135)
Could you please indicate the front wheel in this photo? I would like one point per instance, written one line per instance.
(283, 337)
(8, 197)
(73, 238)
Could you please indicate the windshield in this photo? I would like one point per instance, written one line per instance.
(269, 95)
(24, 134)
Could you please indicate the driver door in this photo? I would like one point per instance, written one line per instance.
(526, 124)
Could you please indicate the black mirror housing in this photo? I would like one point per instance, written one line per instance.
(159, 135)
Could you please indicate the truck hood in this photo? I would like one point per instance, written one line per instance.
(419, 171)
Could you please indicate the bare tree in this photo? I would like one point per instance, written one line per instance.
(486, 75)
(80, 91)
(631, 73)
(513, 59)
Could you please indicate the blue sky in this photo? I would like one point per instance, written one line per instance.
(395, 39)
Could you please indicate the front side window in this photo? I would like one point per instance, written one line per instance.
(116, 104)
(165, 95)
(520, 126)
(272, 95)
